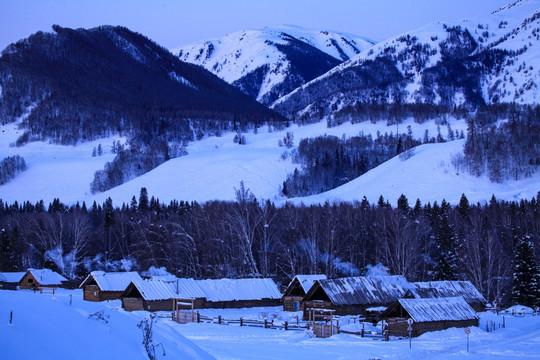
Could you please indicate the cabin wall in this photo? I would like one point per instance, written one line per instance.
(241, 304)
(132, 304)
(398, 327)
(289, 303)
(91, 293)
(8, 286)
(29, 282)
(158, 305)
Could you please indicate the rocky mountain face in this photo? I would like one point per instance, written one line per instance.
(269, 63)
(472, 63)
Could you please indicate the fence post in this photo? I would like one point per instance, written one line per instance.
(198, 317)
(265, 323)
(241, 321)
(219, 319)
(286, 326)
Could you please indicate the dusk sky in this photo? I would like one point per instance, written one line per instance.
(181, 22)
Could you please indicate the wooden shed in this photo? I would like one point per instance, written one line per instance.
(100, 285)
(353, 295)
(428, 315)
(297, 289)
(156, 294)
(442, 289)
(37, 279)
(240, 293)
(10, 280)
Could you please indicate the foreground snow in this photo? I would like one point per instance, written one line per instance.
(215, 166)
(46, 326)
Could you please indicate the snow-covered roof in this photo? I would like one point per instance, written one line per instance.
(154, 289)
(307, 281)
(11, 277)
(47, 276)
(440, 289)
(362, 290)
(111, 281)
(440, 309)
(239, 289)
(186, 288)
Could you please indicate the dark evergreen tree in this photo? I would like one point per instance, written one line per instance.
(403, 204)
(445, 254)
(143, 199)
(9, 258)
(525, 287)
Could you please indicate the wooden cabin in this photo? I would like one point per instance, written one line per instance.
(159, 295)
(297, 289)
(443, 289)
(37, 279)
(101, 286)
(428, 315)
(353, 295)
(240, 293)
(10, 280)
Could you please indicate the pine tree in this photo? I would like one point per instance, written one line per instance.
(143, 200)
(9, 259)
(446, 246)
(525, 287)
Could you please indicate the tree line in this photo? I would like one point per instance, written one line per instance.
(491, 244)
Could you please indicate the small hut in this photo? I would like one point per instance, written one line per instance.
(240, 293)
(428, 315)
(297, 289)
(156, 294)
(443, 289)
(10, 280)
(353, 295)
(101, 286)
(37, 279)
(150, 295)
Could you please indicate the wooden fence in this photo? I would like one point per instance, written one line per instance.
(187, 316)
(319, 329)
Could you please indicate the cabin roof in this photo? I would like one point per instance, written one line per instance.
(239, 289)
(46, 276)
(439, 309)
(440, 289)
(362, 290)
(11, 277)
(306, 281)
(111, 281)
(153, 289)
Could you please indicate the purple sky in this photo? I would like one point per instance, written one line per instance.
(173, 23)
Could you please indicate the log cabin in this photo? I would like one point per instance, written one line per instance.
(353, 295)
(101, 286)
(37, 279)
(297, 289)
(428, 315)
(10, 280)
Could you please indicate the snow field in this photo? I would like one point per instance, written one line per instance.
(48, 327)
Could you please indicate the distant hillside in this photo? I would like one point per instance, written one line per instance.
(85, 84)
(271, 62)
(473, 63)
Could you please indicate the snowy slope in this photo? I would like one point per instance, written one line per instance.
(492, 59)
(261, 61)
(216, 165)
(46, 326)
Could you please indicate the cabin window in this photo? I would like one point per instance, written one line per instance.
(30, 280)
(296, 305)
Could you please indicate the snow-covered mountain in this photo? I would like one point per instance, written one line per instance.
(269, 63)
(490, 60)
